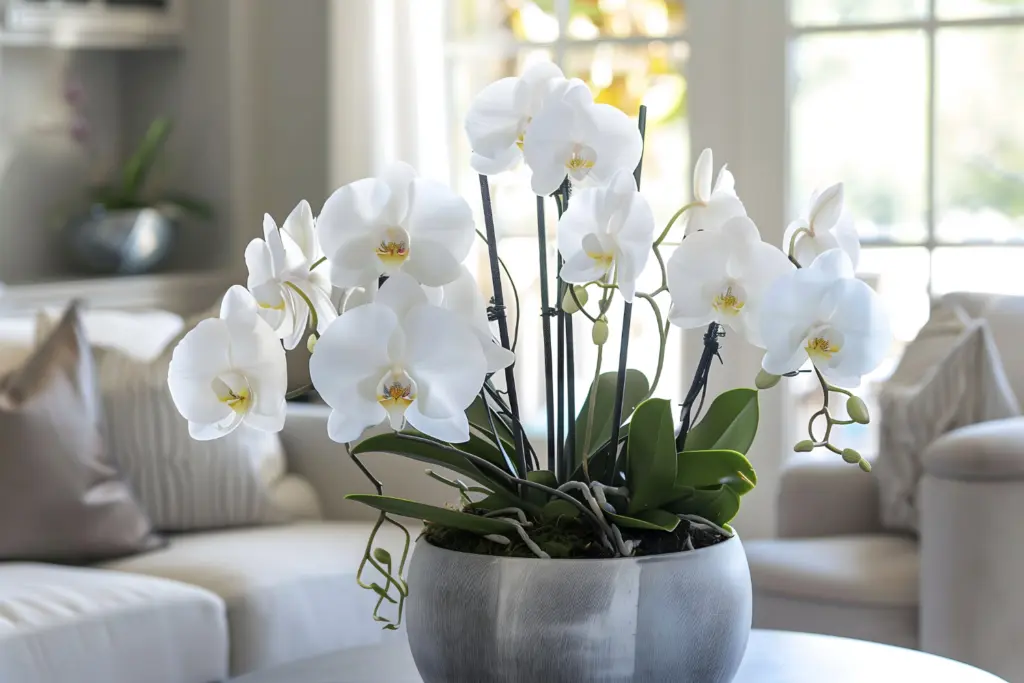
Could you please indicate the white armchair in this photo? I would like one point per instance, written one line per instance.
(957, 589)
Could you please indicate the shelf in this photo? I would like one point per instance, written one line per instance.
(89, 40)
(180, 292)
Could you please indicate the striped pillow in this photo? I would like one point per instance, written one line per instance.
(186, 484)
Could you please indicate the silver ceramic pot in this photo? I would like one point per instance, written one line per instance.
(678, 618)
(124, 242)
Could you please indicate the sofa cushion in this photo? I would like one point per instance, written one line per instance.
(290, 591)
(79, 625)
(858, 586)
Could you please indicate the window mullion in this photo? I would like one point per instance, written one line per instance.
(930, 126)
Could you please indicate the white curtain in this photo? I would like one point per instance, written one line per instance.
(387, 87)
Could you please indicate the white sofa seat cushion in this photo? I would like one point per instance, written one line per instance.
(858, 586)
(79, 625)
(290, 591)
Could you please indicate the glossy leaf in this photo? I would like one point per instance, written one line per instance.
(437, 453)
(429, 513)
(718, 504)
(544, 477)
(651, 520)
(730, 423)
(477, 415)
(592, 434)
(706, 469)
(651, 455)
(559, 508)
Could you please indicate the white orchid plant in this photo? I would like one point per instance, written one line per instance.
(418, 355)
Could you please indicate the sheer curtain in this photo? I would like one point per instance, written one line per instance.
(387, 87)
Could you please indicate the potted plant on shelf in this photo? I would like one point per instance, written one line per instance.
(128, 229)
(606, 555)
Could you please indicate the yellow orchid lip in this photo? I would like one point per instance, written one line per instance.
(821, 348)
(233, 390)
(393, 249)
(728, 302)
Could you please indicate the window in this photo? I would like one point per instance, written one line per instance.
(916, 105)
(627, 51)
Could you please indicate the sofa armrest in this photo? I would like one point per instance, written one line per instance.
(824, 496)
(312, 454)
(972, 547)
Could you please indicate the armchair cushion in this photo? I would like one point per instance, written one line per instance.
(951, 375)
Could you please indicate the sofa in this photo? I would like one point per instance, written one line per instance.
(212, 605)
(955, 588)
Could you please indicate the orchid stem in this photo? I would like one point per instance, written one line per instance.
(313, 318)
(545, 305)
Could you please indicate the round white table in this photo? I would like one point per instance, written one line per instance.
(772, 657)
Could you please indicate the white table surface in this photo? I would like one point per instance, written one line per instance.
(772, 657)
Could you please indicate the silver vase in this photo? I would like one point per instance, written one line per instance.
(123, 242)
(680, 618)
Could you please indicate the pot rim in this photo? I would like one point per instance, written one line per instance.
(663, 557)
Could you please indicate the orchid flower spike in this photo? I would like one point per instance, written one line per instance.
(400, 358)
(722, 276)
(825, 227)
(282, 263)
(712, 205)
(230, 371)
(605, 229)
(498, 116)
(397, 223)
(825, 314)
(572, 136)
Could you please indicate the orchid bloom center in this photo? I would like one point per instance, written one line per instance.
(580, 161)
(823, 342)
(395, 392)
(730, 301)
(233, 390)
(603, 254)
(521, 138)
(393, 249)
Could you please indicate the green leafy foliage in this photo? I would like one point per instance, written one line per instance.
(650, 520)
(705, 469)
(730, 423)
(557, 508)
(594, 423)
(718, 504)
(437, 453)
(129, 192)
(430, 513)
(651, 455)
(545, 477)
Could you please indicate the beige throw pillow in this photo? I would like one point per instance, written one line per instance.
(61, 498)
(950, 376)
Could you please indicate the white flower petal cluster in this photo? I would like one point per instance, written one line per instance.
(555, 125)
(712, 205)
(397, 223)
(399, 358)
(229, 371)
(607, 230)
(280, 268)
(825, 227)
(722, 275)
(825, 314)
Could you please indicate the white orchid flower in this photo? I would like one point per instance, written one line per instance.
(722, 276)
(572, 136)
(825, 227)
(712, 205)
(498, 116)
(279, 265)
(400, 358)
(824, 313)
(605, 228)
(229, 371)
(463, 297)
(397, 223)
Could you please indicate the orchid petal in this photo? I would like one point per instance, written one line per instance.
(431, 264)
(702, 174)
(445, 360)
(827, 207)
(345, 426)
(453, 429)
(440, 215)
(352, 351)
(401, 293)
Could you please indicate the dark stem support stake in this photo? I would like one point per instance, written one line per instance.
(545, 318)
(499, 307)
(700, 380)
(567, 372)
(627, 317)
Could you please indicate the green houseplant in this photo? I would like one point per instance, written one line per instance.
(616, 535)
(130, 228)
